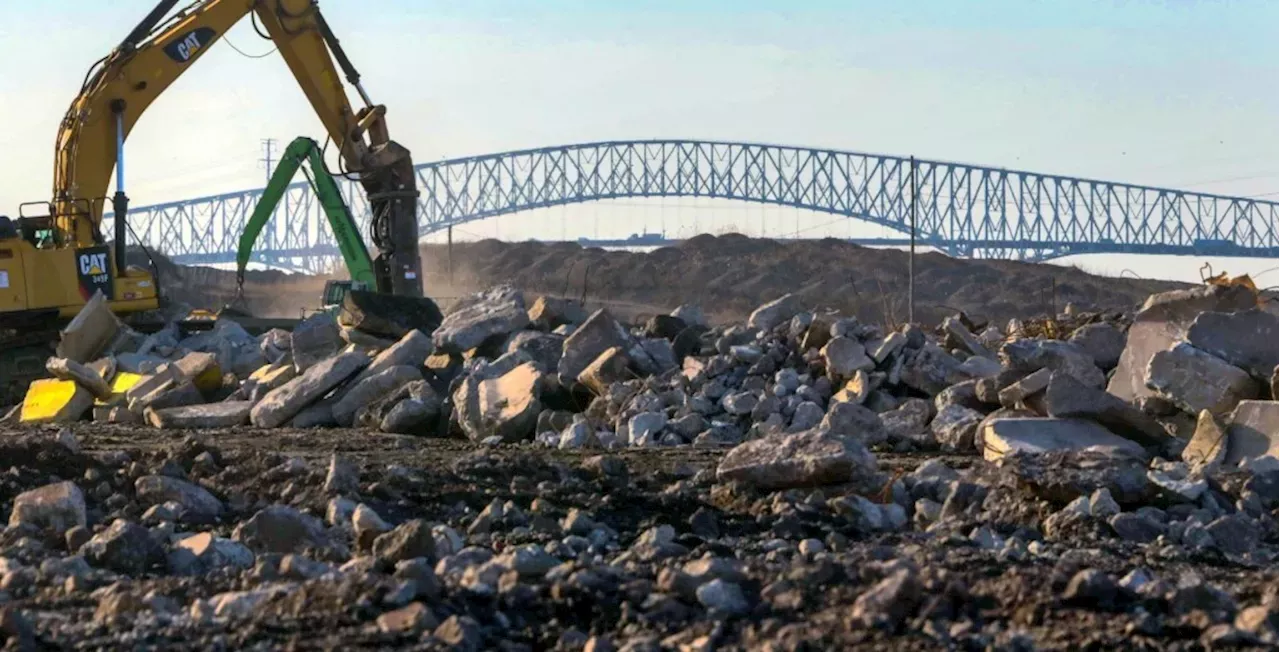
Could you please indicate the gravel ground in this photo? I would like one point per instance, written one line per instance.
(534, 548)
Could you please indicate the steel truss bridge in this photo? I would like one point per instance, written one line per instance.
(960, 209)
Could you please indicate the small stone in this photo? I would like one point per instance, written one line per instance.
(408, 540)
(783, 461)
(124, 547)
(410, 619)
(1131, 526)
(55, 507)
(281, 529)
(198, 505)
(725, 597)
(343, 476)
(890, 601)
(1091, 588)
(460, 633)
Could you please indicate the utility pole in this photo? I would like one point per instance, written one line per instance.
(268, 148)
(268, 161)
(911, 259)
(450, 257)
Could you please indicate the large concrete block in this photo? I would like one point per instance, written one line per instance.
(1068, 398)
(90, 331)
(1252, 431)
(1194, 380)
(1003, 436)
(286, 401)
(1247, 339)
(476, 318)
(226, 414)
(506, 406)
(599, 333)
(1161, 323)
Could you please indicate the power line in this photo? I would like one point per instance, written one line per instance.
(246, 54)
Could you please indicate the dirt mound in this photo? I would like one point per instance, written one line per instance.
(730, 275)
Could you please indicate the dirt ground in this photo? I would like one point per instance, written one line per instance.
(975, 599)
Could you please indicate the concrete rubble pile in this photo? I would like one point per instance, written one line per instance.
(1159, 435)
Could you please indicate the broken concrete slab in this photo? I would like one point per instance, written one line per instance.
(599, 333)
(49, 400)
(268, 378)
(547, 313)
(966, 340)
(844, 357)
(1247, 339)
(226, 414)
(1102, 341)
(54, 507)
(315, 338)
(853, 420)
(506, 406)
(609, 367)
(1028, 355)
(979, 367)
(1162, 322)
(176, 391)
(954, 427)
(1003, 436)
(855, 390)
(366, 391)
(931, 370)
(1067, 398)
(1028, 386)
(388, 316)
(202, 369)
(805, 459)
(375, 414)
(411, 350)
(544, 349)
(91, 380)
(316, 415)
(887, 346)
(1195, 380)
(281, 404)
(776, 312)
(1208, 446)
(90, 331)
(1252, 432)
(498, 311)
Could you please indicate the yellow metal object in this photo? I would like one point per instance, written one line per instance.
(1223, 279)
(50, 400)
(120, 384)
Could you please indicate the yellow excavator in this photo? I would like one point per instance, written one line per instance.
(54, 256)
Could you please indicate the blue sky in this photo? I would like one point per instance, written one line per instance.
(1173, 93)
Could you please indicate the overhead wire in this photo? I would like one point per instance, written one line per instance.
(242, 53)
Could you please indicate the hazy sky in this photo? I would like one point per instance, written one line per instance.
(1175, 93)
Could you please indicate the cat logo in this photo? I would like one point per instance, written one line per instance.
(94, 271)
(189, 44)
(93, 264)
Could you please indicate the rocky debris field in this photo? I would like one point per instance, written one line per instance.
(525, 475)
(729, 275)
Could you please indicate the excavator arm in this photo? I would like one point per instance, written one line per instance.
(120, 88)
(345, 231)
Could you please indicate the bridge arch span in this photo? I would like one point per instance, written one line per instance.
(963, 209)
